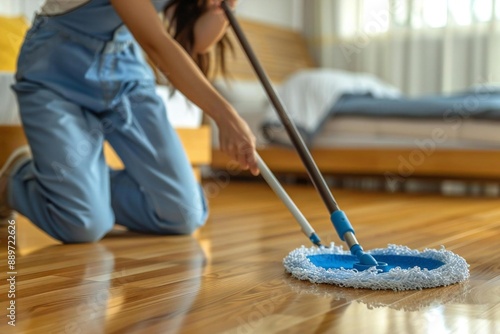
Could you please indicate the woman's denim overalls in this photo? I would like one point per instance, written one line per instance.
(81, 80)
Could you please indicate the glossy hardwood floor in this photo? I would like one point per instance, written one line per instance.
(228, 277)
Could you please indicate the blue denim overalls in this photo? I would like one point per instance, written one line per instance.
(81, 80)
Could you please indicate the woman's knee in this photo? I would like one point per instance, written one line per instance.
(86, 226)
(184, 217)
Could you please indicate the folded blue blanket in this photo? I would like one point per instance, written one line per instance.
(477, 105)
(482, 103)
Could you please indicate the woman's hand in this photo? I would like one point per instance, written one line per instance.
(237, 141)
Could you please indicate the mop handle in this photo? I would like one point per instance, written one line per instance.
(281, 193)
(337, 216)
(311, 167)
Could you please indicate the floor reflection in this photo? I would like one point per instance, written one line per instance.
(385, 311)
(413, 300)
(127, 281)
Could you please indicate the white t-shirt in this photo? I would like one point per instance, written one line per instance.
(55, 7)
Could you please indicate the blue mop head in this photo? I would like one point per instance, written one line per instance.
(408, 269)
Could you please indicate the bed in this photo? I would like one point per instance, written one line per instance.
(457, 146)
(184, 116)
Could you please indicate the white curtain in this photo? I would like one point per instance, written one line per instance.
(420, 46)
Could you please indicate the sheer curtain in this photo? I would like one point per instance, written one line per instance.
(421, 46)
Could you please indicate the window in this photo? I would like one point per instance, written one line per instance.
(375, 17)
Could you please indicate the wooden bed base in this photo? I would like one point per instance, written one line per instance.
(393, 164)
(283, 52)
(196, 143)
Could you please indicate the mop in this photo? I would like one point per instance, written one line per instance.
(395, 267)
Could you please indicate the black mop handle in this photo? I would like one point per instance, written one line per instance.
(311, 167)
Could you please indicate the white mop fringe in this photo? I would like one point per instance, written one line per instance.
(454, 270)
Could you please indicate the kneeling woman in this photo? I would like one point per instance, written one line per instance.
(81, 80)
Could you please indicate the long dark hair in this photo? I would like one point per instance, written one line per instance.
(181, 25)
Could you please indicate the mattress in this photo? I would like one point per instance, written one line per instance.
(180, 111)
(251, 102)
(394, 132)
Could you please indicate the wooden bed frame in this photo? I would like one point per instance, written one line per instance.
(283, 52)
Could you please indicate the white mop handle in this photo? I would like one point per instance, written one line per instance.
(278, 189)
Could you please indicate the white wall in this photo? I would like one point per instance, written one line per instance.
(20, 7)
(285, 13)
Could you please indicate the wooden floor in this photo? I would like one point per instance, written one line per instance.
(229, 278)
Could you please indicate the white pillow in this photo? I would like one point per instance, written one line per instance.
(181, 112)
(308, 95)
(9, 111)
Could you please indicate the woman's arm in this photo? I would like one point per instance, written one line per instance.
(143, 22)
